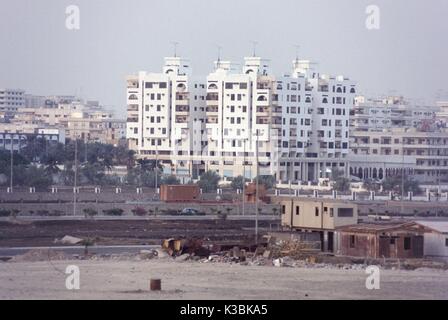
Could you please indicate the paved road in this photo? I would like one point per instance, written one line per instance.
(10, 252)
(168, 218)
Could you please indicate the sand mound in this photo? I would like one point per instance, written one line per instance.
(40, 255)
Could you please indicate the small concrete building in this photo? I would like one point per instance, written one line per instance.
(435, 239)
(382, 240)
(317, 215)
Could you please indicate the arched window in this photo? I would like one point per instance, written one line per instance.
(374, 173)
(279, 87)
(339, 90)
(169, 71)
(360, 173)
(213, 86)
(324, 100)
(380, 173)
(262, 98)
(133, 97)
(308, 99)
(352, 90)
(181, 87)
(249, 71)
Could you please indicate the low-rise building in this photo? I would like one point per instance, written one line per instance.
(436, 239)
(15, 137)
(317, 215)
(422, 155)
(381, 240)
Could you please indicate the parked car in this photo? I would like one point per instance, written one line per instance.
(191, 212)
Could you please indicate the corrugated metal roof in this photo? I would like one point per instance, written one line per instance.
(376, 226)
(439, 226)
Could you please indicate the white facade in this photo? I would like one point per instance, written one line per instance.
(380, 154)
(166, 117)
(436, 239)
(297, 126)
(11, 100)
(391, 112)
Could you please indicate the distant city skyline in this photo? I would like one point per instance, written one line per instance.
(406, 56)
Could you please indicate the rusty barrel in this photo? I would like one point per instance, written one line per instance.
(155, 284)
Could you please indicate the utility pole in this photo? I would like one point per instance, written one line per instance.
(402, 177)
(244, 175)
(76, 174)
(156, 169)
(256, 188)
(12, 165)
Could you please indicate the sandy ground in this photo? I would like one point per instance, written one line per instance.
(193, 280)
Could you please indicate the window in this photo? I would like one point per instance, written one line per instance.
(446, 242)
(352, 241)
(283, 209)
(331, 212)
(407, 243)
(345, 212)
(297, 210)
(392, 241)
(316, 211)
(162, 85)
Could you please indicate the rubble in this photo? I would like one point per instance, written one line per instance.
(68, 240)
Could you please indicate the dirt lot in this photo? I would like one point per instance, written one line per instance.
(193, 280)
(43, 233)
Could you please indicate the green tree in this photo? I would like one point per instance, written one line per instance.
(208, 181)
(340, 183)
(237, 183)
(395, 184)
(171, 179)
(267, 180)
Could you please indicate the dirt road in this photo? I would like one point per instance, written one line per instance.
(193, 280)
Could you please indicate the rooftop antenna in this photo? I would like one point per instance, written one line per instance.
(254, 48)
(297, 52)
(175, 43)
(219, 53)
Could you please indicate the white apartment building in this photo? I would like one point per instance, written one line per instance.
(11, 100)
(296, 126)
(315, 123)
(86, 121)
(166, 117)
(390, 112)
(239, 115)
(16, 137)
(381, 154)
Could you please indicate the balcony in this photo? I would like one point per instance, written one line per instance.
(212, 109)
(181, 119)
(212, 97)
(212, 120)
(182, 110)
(262, 120)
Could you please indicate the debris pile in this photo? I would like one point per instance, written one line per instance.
(179, 247)
(294, 248)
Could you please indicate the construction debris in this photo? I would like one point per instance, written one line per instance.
(176, 247)
(69, 240)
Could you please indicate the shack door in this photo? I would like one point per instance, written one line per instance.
(384, 249)
(417, 246)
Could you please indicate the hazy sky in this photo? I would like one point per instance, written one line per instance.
(408, 55)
